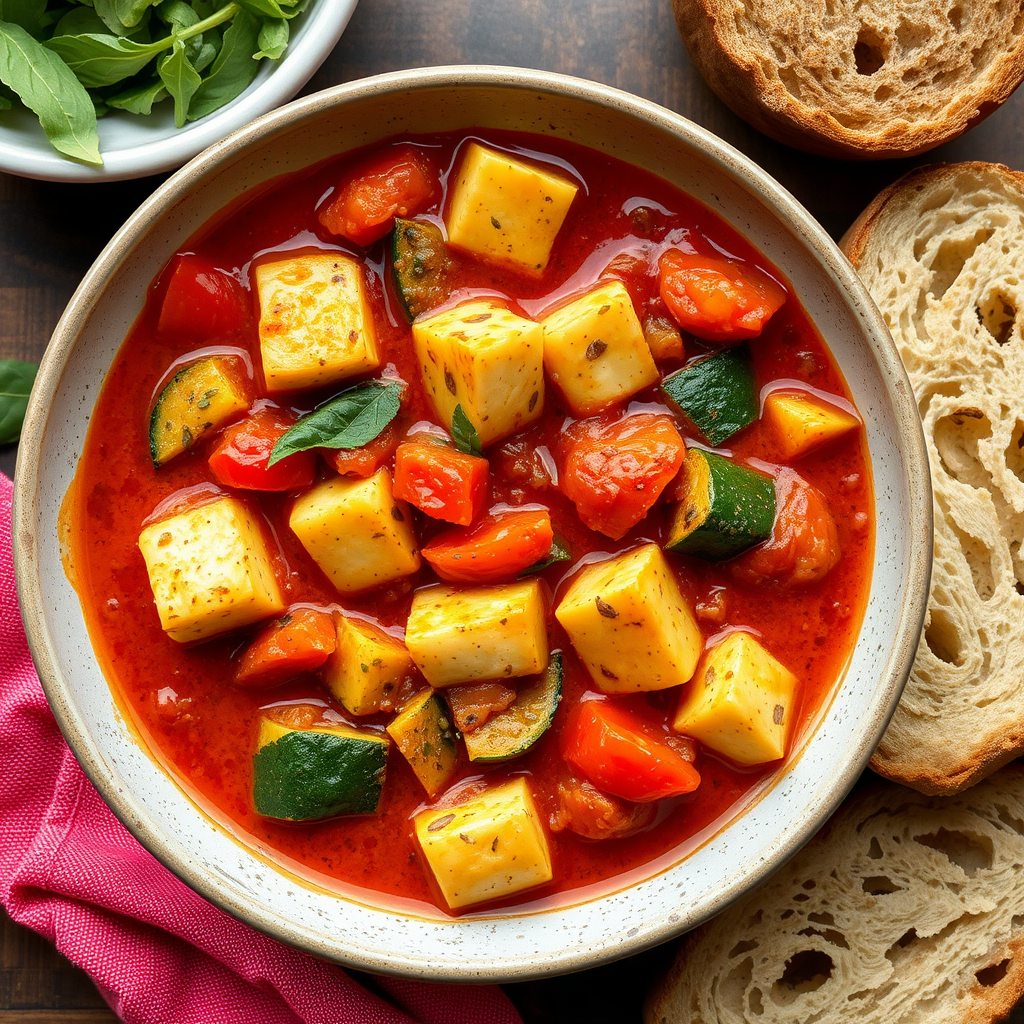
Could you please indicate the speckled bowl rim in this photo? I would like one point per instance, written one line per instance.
(585, 938)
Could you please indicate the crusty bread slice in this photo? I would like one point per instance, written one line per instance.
(904, 909)
(942, 254)
(858, 79)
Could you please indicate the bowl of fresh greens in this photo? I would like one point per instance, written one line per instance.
(103, 90)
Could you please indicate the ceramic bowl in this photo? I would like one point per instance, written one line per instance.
(133, 146)
(597, 924)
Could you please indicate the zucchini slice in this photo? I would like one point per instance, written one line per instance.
(317, 772)
(423, 733)
(727, 508)
(421, 265)
(717, 393)
(514, 731)
(200, 397)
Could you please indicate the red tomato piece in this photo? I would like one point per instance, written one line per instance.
(615, 472)
(804, 545)
(367, 460)
(300, 641)
(240, 459)
(441, 481)
(717, 299)
(585, 810)
(500, 545)
(202, 302)
(399, 183)
(614, 750)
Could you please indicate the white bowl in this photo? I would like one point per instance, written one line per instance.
(605, 921)
(133, 146)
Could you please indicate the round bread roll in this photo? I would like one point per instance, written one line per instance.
(857, 79)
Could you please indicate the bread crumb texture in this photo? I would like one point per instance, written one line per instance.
(857, 78)
(942, 254)
(905, 908)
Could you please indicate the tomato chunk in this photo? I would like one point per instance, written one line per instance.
(500, 545)
(589, 813)
(240, 459)
(202, 302)
(473, 705)
(615, 472)
(400, 183)
(804, 545)
(614, 750)
(441, 481)
(367, 460)
(717, 299)
(298, 642)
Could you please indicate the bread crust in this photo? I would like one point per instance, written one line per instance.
(784, 100)
(908, 903)
(977, 369)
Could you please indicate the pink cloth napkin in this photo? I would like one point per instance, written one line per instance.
(158, 952)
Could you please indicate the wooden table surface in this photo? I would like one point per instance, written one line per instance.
(50, 234)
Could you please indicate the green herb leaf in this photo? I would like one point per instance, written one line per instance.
(78, 22)
(16, 379)
(130, 12)
(99, 60)
(139, 99)
(107, 10)
(48, 87)
(232, 71)
(464, 433)
(273, 39)
(263, 8)
(181, 79)
(177, 14)
(558, 553)
(352, 419)
(26, 13)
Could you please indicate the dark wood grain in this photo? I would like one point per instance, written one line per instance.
(51, 233)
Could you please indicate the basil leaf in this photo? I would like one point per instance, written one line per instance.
(139, 99)
(273, 39)
(130, 12)
(464, 433)
(207, 53)
(181, 79)
(352, 419)
(107, 10)
(232, 71)
(26, 13)
(558, 553)
(48, 87)
(263, 8)
(16, 379)
(177, 14)
(99, 60)
(78, 21)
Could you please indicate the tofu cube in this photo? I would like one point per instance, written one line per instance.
(595, 350)
(803, 422)
(506, 210)
(741, 702)
(630, 624)
(355, 529)
(210, 570)
(488, 847)
(462, 636)
(316, 324)
(484, 357)
(367, 666)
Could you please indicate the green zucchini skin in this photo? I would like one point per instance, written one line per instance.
(309, 774)
(717, 393)
(517, 728)
(421, 266)
(728, 508)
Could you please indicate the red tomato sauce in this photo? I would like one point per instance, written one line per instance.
(202, 728)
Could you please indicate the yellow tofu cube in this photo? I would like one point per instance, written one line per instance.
(210, 570)
(367, 666)
(484, 357)
(488, 847)
(803, 422)
(630, 624)
(355, 529)
(462, 636)
(741, 702)
(316, 324)
(507, 210)
(595, 350)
